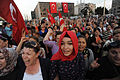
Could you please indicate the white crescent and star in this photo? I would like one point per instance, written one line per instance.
(12, 9)
(61, 19)
(65, 6)
(48, 13)
(53, 6)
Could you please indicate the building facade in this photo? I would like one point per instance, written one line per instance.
(76, 10)
(41, 10)
(33, 15)
(81, 6)
(115, 7)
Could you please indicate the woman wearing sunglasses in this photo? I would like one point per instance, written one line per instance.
(33, 39)
(31, 66)
(28, 66)
(67, 64)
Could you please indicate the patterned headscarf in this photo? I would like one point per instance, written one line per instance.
(10, 56)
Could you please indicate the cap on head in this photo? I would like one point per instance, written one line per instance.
(115, 44)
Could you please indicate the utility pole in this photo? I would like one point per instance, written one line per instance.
(104, 9)
(80, 1)
(84, 1)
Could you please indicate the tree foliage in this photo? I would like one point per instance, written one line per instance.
(99, 11)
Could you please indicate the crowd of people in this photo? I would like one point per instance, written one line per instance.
(80, 49)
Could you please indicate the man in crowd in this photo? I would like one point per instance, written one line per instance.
(116, 33)
(109, 65)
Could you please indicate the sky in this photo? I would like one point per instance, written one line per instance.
(26, 6)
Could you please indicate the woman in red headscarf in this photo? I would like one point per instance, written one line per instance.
(67, 64)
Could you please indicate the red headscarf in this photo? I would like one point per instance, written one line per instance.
(59, 55)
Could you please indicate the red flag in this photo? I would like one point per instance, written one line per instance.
(61, 19)
(65, 7)
(50, 18)
(53, 7)
(10, 12)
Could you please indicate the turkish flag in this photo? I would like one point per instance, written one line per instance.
(50, 18)
(61, 19)
(53, 7)
(10, 12)
(65, 7)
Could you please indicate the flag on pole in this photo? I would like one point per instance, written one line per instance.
(65, 7)
(53, 7)
(60, 19)
(10, 12)
(50, 18)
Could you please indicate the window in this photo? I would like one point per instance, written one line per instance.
(118, 7)
(118, 11)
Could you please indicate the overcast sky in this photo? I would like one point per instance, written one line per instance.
(26, 6)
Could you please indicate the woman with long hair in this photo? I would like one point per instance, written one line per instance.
(90, 63)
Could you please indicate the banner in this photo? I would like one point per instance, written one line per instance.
(65, 7)
(53, 7)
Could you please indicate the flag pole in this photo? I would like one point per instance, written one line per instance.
(104, 9)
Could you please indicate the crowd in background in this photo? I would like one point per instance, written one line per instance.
(80, 49)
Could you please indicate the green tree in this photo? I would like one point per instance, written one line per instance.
(84, 11)
(99, 11)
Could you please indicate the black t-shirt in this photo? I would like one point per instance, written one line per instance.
(106, 70)
(11, 75)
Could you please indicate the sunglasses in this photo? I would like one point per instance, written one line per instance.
(31, 43)
(115, 44)
(3, 38)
